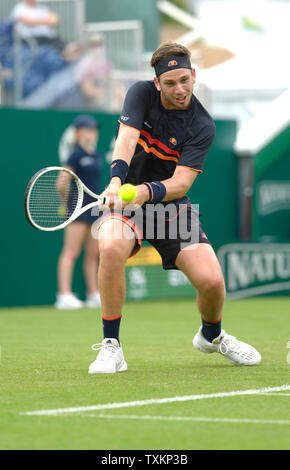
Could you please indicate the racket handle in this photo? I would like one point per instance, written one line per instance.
(105, 200)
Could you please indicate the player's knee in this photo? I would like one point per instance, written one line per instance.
(111, 253)
(214, 285)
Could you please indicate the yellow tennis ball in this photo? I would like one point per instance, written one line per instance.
(61, 211)
(127, 192)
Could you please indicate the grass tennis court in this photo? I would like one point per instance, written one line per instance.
(45, 356)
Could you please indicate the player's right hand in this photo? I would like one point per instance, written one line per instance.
(111, 191)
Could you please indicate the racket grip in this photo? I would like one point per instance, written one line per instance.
(105, 200)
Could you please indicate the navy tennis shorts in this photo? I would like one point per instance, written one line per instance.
(169, 229)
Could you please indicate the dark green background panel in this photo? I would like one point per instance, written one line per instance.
(272, 165)
(216, 189)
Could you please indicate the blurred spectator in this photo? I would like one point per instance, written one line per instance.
(93, 73)
(37, 22)
(41, 54)
(50, 73)
(87, 83)
(94, 77)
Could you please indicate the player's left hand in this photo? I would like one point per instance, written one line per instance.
(140, 199)
(115, 201)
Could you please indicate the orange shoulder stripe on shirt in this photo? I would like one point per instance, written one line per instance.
(153, 150)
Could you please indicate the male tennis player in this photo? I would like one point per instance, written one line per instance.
(162, 141)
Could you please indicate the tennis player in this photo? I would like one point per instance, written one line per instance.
(162, 141)
(86, 162)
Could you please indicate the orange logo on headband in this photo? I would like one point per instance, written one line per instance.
(173, 141)
(172, 62)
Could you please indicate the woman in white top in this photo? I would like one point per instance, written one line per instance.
(37, 22)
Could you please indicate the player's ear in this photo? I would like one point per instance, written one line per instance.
(157, 84)
(193, 75)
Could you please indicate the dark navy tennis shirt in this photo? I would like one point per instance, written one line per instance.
(167, 137)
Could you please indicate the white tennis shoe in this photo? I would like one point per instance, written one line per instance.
(234, 350)
(93, 300)
(67, 302)
(110, 358)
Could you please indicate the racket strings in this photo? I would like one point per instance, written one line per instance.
(53, 199)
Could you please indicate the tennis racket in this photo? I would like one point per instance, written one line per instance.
(54, 198)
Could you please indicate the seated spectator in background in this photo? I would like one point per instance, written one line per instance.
(93, 75)
(37, 22)
(85, 83)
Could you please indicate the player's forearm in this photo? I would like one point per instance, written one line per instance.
(124, 149)
(125, 144)
(175, 188)
(179, 184)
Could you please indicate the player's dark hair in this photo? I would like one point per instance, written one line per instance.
(168, 50)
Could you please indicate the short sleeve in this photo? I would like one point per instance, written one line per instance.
(73, 160)
(22, 9)
(135, 105)
(16, 12)
(195, 150)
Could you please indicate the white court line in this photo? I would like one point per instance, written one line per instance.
(153, 401)
(188, 418)
(276, 394)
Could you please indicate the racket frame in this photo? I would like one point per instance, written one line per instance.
(100, 200)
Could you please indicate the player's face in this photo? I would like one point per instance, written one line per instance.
(176, 87)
